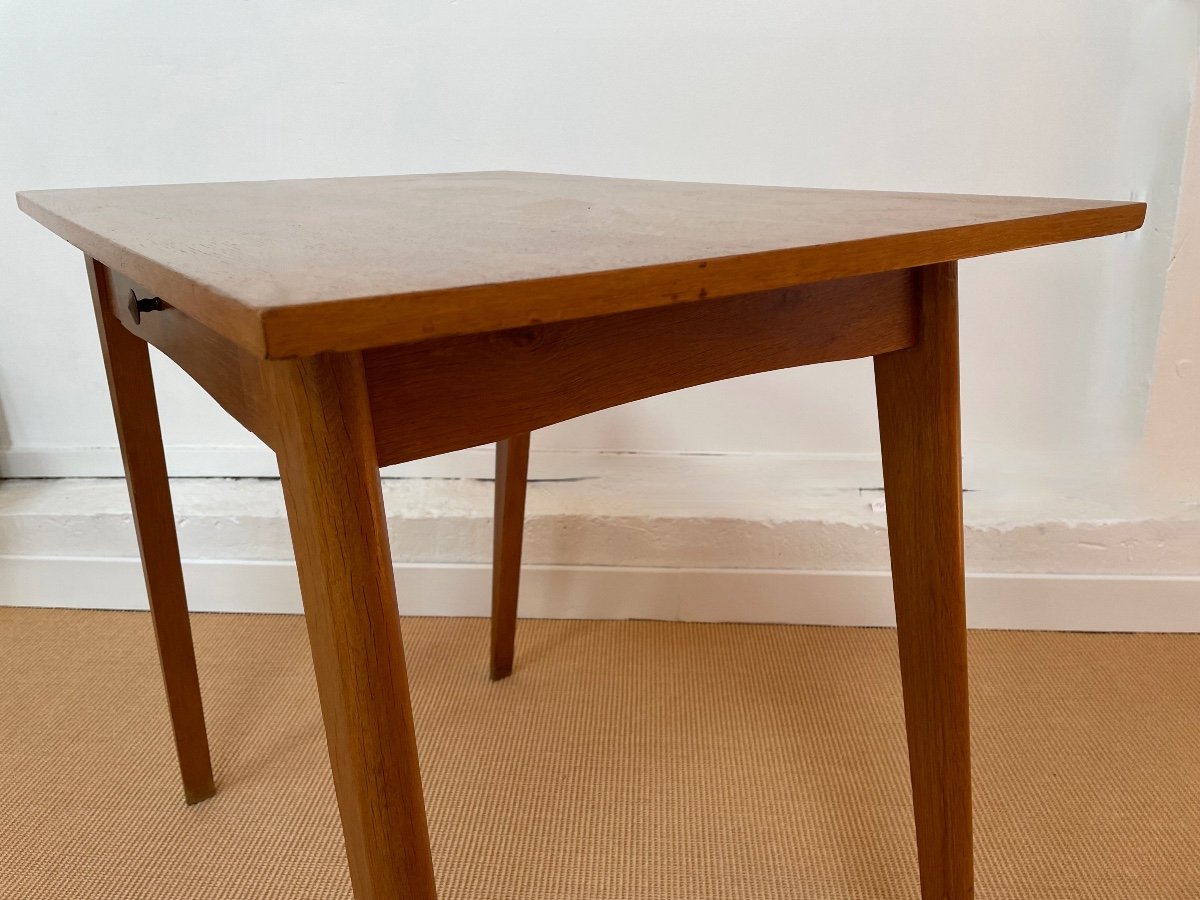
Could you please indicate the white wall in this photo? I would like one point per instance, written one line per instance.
(1082, 98)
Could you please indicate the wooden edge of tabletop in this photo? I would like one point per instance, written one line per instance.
(303, 329)
(285, 331)
(225, 315)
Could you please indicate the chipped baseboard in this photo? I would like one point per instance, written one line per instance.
(672, 536)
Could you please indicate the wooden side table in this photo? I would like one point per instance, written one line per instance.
(355, 323)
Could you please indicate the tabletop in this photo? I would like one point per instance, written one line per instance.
(292, 268)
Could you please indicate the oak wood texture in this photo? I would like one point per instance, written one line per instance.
(512, 475)
(477, 388)
(918, 397)
(335, 510)
(131, 387)
(291, 268)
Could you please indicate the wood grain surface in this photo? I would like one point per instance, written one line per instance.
(436, 396)
(335, 511)
(290, 268)
(508, 531)
(131, 386)
(918, 397)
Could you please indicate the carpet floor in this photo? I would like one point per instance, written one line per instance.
(622, 761)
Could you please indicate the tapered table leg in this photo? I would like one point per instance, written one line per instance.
(512, 472)
(918, 397)
(335, 509)
(131, 385)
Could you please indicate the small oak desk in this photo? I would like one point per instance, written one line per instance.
(356, 323)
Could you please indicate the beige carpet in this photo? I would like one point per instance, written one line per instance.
(624, 760)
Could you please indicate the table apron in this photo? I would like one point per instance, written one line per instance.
(448, 393)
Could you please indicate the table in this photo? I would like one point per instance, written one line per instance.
(356, 323)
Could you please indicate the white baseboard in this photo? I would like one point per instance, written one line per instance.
(1001, 601)
(214, 462)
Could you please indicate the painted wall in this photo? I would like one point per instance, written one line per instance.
(1082, 98)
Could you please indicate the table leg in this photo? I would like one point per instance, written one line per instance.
(331, 486)
(131, 386)
(917, 392)
(512, 471)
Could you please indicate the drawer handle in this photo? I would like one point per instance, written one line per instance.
(139, 306)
